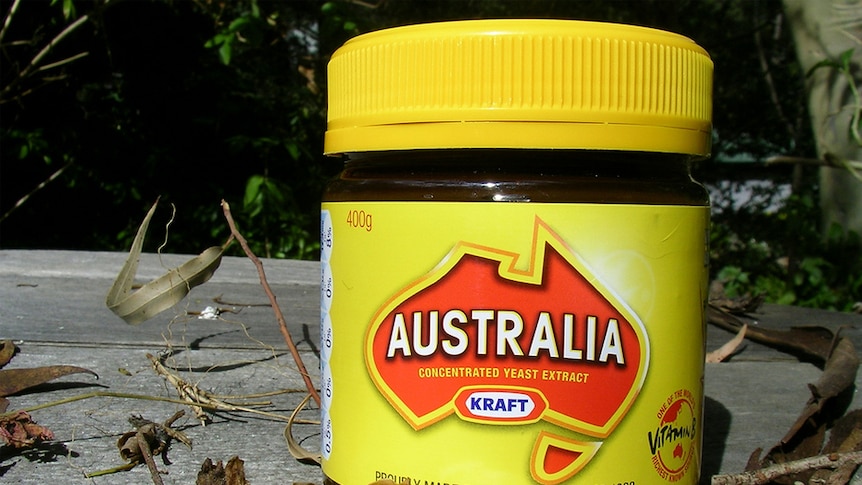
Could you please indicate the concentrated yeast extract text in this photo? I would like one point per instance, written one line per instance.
(513, 259)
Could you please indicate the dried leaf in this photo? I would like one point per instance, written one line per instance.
(7, 351)
(813, 343)
(741, 304)
(805, 438)
(218, 474)
(163, 292)
(126, 278)
(296, 450)
(140, 446)
(16, 380)
(19, 431)
(210, 474)
(846, 434)
(844, 437)
(839, 374)
(235, 472)
(130, 447)
(728, 349)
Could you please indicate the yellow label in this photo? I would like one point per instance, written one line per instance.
(487, 343)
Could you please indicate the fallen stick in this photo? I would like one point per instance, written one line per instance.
(766, 475)
(282, 323)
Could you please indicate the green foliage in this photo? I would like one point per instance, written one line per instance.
(68, 8)
(248, 28)
(200, 101)
(784, 258)
(275, 221)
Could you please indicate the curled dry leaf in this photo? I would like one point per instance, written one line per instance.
(163, 292)
(296, 450)
(839, 374)
(129, 445)
(728, 349)
(19, 431)
(149, 439)
(140, 446)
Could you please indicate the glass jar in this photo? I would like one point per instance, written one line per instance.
(513, 263)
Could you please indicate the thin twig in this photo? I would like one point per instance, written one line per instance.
(38, 58)
(214, 405)
(110, 471)
(64, 61)
(770, 84)
(9, 15)
(368, 4)
(282, 324)
(766, 475)
(39, 187)
(90, 395)
(147, 453)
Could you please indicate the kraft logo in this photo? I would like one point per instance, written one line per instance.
(501, 406)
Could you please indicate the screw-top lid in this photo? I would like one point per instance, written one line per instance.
(520, 84)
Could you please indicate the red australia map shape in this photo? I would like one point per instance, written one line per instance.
(498, 344)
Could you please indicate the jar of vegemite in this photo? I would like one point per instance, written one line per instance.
(513, 259)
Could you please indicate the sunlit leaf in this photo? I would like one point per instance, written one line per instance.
(165, 291)
(224, 52)
(238, 23)
(68, 8)
(252, 191)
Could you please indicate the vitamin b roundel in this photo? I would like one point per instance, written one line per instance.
(513, 259)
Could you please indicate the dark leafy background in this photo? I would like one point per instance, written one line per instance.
(201, 100)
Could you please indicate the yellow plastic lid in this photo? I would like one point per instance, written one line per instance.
(517, 83)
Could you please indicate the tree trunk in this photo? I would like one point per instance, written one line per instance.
(823, 29)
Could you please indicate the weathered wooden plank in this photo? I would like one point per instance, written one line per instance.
(86, 431)
(52, 302)
(59, 296)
